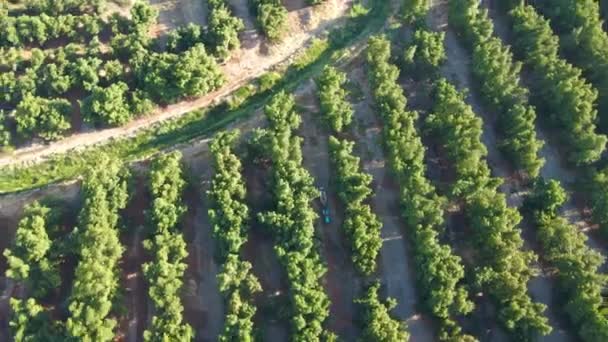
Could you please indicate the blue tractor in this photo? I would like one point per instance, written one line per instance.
(325, 212)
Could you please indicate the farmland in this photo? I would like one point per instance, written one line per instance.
(303, 170)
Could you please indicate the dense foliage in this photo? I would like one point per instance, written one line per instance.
(335, 106)
(292, 222)
(30, 262)
(5, 134)
(166, 77)
(229, 217)
(415, 10)
(580, 282)
(584, 40)
(223, 28)
(499, 84)
(110, 68)
(504, 268)
(426, 53)
(558, 88)
(166, 270)
(271, 17)
(31, 322)
(361, 225)
(63, 6)
(96, 278)
(37, 30)
(439, 271)
(598, 191)
(44, 118)
(379, 325)
(108, 105)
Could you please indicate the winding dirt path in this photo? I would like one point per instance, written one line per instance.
(253, 59)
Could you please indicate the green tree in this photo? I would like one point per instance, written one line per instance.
(598, 190)
(165, 273)
(499, 84)
(272, 18)
(585, 41)
(332, 96)
(361, 225)
(230, 217)
(166, 77)
(292, 221)
(579, 280)
(439, 271)
(5, 134)
(415, 10)
(30, 321)
(426, 53)
(496, 236)
(28, 260)
(96, 277)
(85, 72)
(44, 118)
(379, 325)
(559, 88)
(184, 38)
(108, 106)
(223, 29)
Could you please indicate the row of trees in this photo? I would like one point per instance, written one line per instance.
(380, 326)
(5, 133)
(53, 73)
(166, 270)
(32, 261)
(229, 217)
(579, 280)
(559, 89)
(500, 87)
(425, 53)
(56, 7)
(599, 199)
(337, 111)
(584, 40)
(439, 271)
(292, 221)
(271, 17)
(504, 267)
(96, 278)
(37, 30)
(361, 224)
(415, 10)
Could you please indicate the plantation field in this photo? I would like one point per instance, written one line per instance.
(306, 170)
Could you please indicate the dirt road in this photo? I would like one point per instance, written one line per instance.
(341, 282)
(203, 302)
(133, 322)
(254, 58)
(397, 271)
